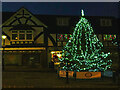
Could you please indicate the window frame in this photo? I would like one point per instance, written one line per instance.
(18, 35)
(104, 39)
(105, 22)
(14, 33)
(29, 33)
(62, 21)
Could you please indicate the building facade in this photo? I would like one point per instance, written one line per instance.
(38, 39)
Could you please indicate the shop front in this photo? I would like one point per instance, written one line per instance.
(24, 57)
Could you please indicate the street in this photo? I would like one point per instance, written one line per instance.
(50, 80)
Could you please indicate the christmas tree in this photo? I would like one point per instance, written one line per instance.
(83, 51)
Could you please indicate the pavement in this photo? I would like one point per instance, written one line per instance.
(36, 77)
(50, 80)
(26, 69)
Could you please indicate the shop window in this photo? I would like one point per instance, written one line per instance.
(55, 55)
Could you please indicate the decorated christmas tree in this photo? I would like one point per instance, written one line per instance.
(83, 51)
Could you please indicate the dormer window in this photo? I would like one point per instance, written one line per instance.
(29, 35)
(22, 35)
(14, 35)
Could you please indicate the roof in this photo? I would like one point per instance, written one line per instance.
(22, 27)
(50, 21)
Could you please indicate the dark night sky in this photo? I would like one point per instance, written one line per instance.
(65, 8)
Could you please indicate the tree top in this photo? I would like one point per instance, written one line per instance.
(82, 12)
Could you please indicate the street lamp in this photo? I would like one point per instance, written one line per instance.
(3, 37)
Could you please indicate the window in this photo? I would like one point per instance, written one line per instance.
(22, 35)
(110, 43)
(62, 21)
(105, 44)
(14, 35)
(105, 22)
(109, 37)
(55, 55)
(29, 35)
(63, 37)
(100, 37)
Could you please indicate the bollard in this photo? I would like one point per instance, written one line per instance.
(114, 77)
(67, 77)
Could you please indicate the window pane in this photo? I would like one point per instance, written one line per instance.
(62, 21)
(21, 31)
(109, 37)
(14, 31)
(29, 31)
(60, 37)
(21, 36)
(14, 36)
(28, 36)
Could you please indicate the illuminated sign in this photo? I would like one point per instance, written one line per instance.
(55, 55)
(62, 73)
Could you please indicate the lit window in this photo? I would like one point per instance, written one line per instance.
(21, 35)
(14, 35)
(63, 37)
(60, 37)
(55, 55)
(29, 35)
(109, 37)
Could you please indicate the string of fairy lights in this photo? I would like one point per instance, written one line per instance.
(83, 51)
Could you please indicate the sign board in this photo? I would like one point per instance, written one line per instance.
(62, 73)
(88, 75)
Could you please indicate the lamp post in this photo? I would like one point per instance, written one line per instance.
(3, 37)
(67, 73)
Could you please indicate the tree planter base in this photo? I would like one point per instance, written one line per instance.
(88, 75)
(80, 75)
